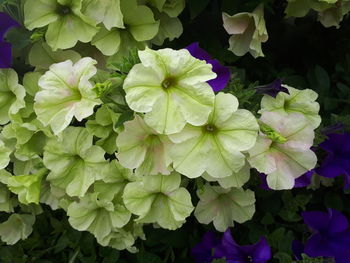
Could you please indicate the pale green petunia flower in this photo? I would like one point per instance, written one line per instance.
(27, 187)
(100, 217)
(215, 147)
(140, 147)
(330, 12)
(66, 23)
(285, 157)
(235, 180)
(300, 101)
(171, 7)
(16, 227)
(103, 127)
(5, 153)
(334, 15)
(140, 25)
(224, 206)
(107, 12)
(66, 92)
(7, 203)
(11, 95)
(159, 199)
(74, 162)
(169, 28)
(248, 31)
(170, 87)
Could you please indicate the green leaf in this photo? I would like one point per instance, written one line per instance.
(197, 6)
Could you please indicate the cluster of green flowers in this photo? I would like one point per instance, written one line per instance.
(249, 31)
(112, 26)
(64, 144)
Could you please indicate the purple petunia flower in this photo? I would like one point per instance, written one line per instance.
(223, 73)
(203, 251)
(331, 235)
(298, 249)
(337, 161)
(272, 89)
(6, 22)
(302, 181)
(259, 252)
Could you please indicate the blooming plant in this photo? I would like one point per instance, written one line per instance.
(132, 129)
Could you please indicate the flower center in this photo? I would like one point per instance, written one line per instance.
(63, 10)
(249, 259)
(168, 82)
(210, 128)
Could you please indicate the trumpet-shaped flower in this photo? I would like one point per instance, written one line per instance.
(4, 155)
(215, 147)
(16, 227)
(107, 12)
(159, 199)
(223, 206)
(27, 187)
(337, 162)
(259, 252)
(140, 147)
(331, 235)
(66, 92)
(299, 101)
(98, 216)
(170, 87)
(248, 31)
(139, 25)
(282, 150)
(12, 95)
(74, 162)
(66, 23)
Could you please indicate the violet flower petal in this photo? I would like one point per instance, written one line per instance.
(317, 246)
(5, 55)
(202, 252)
(298, 249)
(6, 22)
(272, 89)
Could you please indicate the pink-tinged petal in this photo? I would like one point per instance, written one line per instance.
(237, 24)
